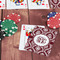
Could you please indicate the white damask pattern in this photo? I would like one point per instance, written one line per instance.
(41, 41)
(55, 3)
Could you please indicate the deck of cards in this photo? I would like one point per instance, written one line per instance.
(37, 39)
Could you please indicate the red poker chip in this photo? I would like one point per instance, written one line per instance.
(54, 22)
(15, 17)
(4, 18)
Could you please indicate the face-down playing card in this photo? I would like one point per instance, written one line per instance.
(2, 4)
(38, 4)
(16, 4)
(41, 41)
(55, 4)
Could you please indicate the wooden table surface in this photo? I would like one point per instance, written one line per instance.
(10, 45)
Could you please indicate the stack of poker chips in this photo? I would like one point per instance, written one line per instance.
(2, 33)
(53, 20)
(38, 1)
(17, 2)
(0, 23)
(8, 26)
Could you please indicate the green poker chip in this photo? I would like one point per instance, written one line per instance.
(9, 27)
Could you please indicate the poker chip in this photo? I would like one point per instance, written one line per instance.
(2, 34)
(51, 14)
(41, 41)
(9, 27)
(0, 23)
(54, 22)
(15, 17)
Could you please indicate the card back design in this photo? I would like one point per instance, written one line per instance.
(41, 41)
(55, 3)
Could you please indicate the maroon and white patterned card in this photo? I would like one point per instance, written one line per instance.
(55, 3)
(41, 41)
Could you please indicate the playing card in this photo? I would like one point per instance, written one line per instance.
(2, 4)
(38, 4)
(16, 4)
(23, 36)
(55, 4)
(41, 41)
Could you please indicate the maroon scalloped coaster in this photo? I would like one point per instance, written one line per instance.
(41, 41)
(55, 4)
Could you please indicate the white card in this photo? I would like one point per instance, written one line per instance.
(2, 4)
(35, 4)
(23, 37)
(15, 4)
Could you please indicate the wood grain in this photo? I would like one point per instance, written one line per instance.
(0, 14)
(39, 17)
(10, 50)
(10, 45)
(0, 41)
